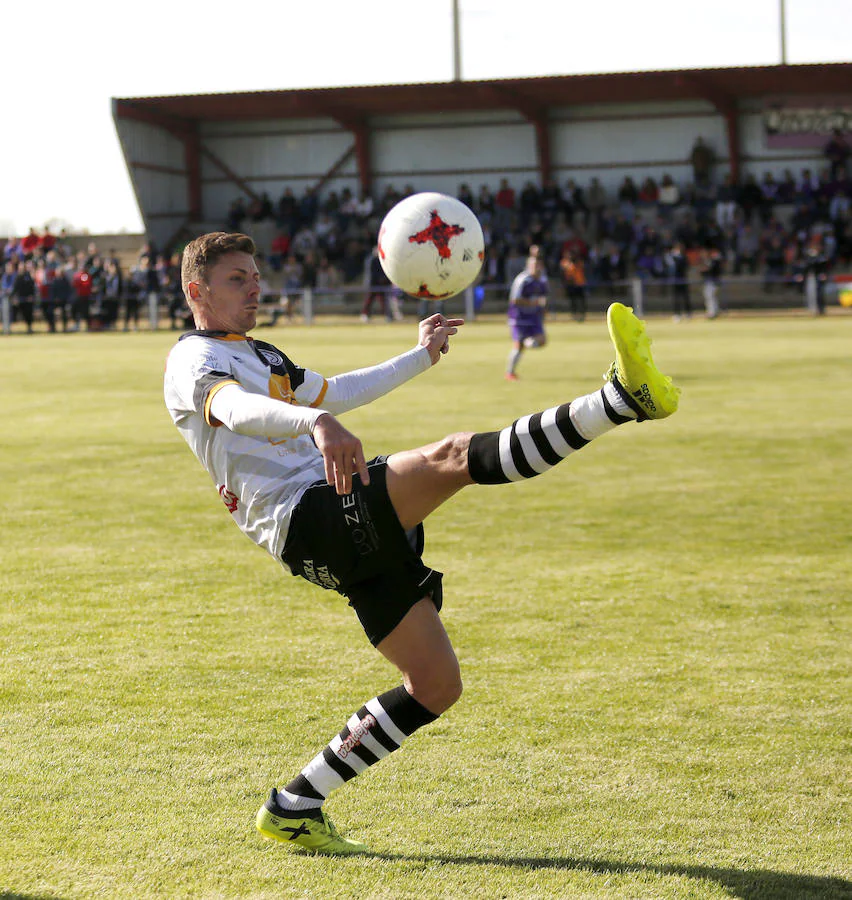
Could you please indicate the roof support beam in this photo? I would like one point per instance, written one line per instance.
(334, 169)
(535, 114)
(186, 131)
(239, 182)
(542, 146)
(363, 157)
(357, 125)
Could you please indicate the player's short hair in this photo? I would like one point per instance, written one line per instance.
(205, 251)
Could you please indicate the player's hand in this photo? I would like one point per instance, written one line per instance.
(342, 453)
(435, 333)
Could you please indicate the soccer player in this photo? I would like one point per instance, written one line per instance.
(297, 483)
(527, 302)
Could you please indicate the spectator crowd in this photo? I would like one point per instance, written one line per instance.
(85, 289)
(778, 227)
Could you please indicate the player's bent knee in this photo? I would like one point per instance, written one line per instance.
(451, 452)
(437, 691)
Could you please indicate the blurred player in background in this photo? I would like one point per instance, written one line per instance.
(378, 288)
(573, 270)
(296, 482)
(527, 303)
(711, 274)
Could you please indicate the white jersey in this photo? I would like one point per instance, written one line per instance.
(259, 480)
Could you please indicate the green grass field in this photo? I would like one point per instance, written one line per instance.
(655, 637)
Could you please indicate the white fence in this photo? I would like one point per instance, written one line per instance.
(646, 296)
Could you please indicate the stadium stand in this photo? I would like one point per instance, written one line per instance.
(768, 236)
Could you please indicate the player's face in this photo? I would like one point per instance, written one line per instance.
(227, 300)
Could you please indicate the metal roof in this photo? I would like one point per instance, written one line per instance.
(530, 95)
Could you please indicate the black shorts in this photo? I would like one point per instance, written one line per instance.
(355, 545)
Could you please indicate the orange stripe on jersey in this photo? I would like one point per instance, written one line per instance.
(208, 418)
(321, 394)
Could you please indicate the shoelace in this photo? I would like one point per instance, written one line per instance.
(330, 826)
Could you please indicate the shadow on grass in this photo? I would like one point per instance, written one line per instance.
(757, 884)
(754, 884)
(13, 896)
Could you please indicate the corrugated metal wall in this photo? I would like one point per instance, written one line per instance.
(157, 166)
(271, 156)
(438, 152)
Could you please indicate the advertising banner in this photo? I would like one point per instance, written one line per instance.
(802, 123)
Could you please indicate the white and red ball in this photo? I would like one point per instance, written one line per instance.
(431, 245)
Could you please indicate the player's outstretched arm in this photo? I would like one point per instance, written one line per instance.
(353, 389)
(435, 333)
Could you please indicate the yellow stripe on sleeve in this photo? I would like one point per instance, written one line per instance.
(322, 393)
(208, 418)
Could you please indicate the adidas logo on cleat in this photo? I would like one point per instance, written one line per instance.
(643, 387)
(643, 395)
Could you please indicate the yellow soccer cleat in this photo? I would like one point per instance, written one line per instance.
(317, 835)
(644, 387)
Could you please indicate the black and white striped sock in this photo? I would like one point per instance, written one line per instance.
(375, 731)
(535, 443)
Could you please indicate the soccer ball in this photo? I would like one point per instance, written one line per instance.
(431, 245)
